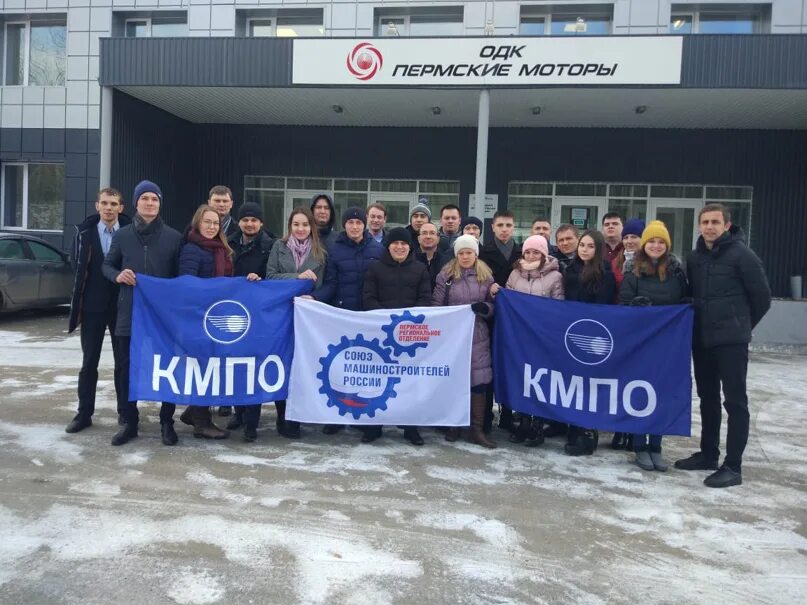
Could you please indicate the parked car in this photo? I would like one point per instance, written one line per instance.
(33, 274)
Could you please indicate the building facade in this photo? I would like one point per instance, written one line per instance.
(203, 93)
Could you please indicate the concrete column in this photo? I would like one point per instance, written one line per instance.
(105, 173)
(482, 146)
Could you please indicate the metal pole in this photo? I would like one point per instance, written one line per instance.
(482, 147)
(105, 172)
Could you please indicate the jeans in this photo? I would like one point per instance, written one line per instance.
(727, 366)
(128, 409)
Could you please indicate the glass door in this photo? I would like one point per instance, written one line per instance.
(398, 206)
(681, 219)
(302, 197)
(583, 213)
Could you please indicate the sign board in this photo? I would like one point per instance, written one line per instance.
(537, 61)
(484, 210)
(580, 217)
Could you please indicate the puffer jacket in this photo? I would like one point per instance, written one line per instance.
(280, 264)
(344, 273)
(545, 281)
(465, 291)
(389, 284)
(602, 293)
(195, 260)
(730, 290)
(671, 291)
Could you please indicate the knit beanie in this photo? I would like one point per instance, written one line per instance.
(656, 229)
(398, 234)
(470, 220)
(466, 241)
(251, 210)
(354, 212)
(633, 226)
(146, 187)
(536, 242)
(421, 207)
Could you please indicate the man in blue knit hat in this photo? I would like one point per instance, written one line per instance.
(150, 247)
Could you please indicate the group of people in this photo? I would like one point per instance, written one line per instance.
(368, 266)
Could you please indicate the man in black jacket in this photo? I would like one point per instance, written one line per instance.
(567, 236)
(94, 303)
(430, 254)
(251, 247)
(150, 247)
(396, 281)
(731, 295)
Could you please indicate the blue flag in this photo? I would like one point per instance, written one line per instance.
(217, 341)
(616, 368)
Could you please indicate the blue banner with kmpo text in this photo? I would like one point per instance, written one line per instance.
(217, 341)
(615, 368)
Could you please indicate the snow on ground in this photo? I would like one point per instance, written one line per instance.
(328, 520)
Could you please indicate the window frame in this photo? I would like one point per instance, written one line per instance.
(404, 29)
(273, 26)
(544, 12)
(756, 13)
(146, 20)
(26, 58)
(25, 198)
(149, 21)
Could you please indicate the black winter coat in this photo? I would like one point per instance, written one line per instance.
(500, 265)
(92, 292)
(251, 257)
(563, 260)
(344, 273)
(157, 256)
(671, 291)
(439, 260)
(195, 260)
(730, 290)
(602, 294)
(392, 285)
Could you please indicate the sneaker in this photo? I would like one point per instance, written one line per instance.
(696, 462)
(125, 434)
(250, 434)
(78, 424)
(644, 461)
(169, 435)
(658, 462)
(412, 435)
(724, 477)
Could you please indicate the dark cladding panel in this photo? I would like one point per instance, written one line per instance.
(196, 61)
(730, 61)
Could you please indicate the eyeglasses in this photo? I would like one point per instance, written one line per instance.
(208, 223)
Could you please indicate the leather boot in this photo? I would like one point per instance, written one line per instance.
(187, 416)
(477, 433)
(203, 426)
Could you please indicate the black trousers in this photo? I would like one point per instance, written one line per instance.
(128, 409)
(93, 330)
(727, 366)
(248, 414)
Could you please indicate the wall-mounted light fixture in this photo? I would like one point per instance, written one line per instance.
(536, 110)
(436, 110)
(337, 108)
(640, 109)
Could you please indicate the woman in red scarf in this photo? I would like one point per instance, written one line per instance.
(205, 254)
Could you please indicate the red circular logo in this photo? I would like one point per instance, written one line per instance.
(364, 61)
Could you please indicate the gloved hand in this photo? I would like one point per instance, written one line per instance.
(640, 301)
(480, 308)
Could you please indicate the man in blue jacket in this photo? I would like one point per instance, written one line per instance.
(353, 250)
(94, 304)
(150, 247)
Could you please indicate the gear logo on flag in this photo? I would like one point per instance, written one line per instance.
(393, 340)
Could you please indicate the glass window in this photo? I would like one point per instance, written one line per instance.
(272, 204)
(677, 191)
(581, 189)
(45, 196)
(439, 187)
(11, 249)
(293, 27)
(428, 21)
(727, 23)
(532, 26)
(436, 25)
(628, 208)
(392, 27)
(525, 210)
(264, 182)
(580, 25)
(394, 186)
(36, 53)
(740, 214)
(309, 183)
(13, 179)
(137, 28)
(680, 24)
(530, 188)
(729, 193)
(45, 253)
(260, 28)
(15, 53)
(169, 27)
(350, 184)
(628, 191)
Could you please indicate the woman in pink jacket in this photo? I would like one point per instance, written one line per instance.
(538, 274)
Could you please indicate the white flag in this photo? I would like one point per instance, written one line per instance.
(392, 366)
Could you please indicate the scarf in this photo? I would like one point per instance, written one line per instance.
(525, 266)
(505, 249)
(146, 231)
(222, 263)
(299, 250)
